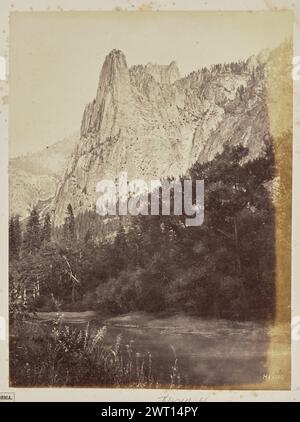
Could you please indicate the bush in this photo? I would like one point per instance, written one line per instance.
(61, 355)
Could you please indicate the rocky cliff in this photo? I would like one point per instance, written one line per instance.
(34, 178)
(148, 121)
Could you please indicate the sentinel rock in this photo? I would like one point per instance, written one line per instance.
(152, 123)
(113, 94)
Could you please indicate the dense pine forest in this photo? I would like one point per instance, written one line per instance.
(223, 269)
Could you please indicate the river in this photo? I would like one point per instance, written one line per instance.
(209, 352)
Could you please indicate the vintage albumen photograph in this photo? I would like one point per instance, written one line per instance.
(150, 160)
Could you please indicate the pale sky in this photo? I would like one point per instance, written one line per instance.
(56, 58)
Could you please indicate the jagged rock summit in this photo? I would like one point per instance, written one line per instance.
(164, 74)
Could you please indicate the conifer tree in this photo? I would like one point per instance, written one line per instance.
(46, 231)
(69, 225)
(32, 238)
(15, 237)
(12, 240)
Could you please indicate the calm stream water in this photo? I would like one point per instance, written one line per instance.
(209, 352)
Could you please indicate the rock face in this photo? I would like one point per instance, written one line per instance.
(34, 178)
(163, 74)
(148, 121)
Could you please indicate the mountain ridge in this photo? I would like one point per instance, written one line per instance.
(153, 123)
(152, 129)
(34, 178)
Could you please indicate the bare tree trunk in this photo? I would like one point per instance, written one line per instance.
(75, 282)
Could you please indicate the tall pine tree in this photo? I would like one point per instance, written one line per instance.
(46, 230)
(69, 225)
(15, 237)
(32, 237)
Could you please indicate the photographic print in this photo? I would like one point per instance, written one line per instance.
(150, 175)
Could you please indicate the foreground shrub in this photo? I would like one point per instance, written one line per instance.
(62, 355)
